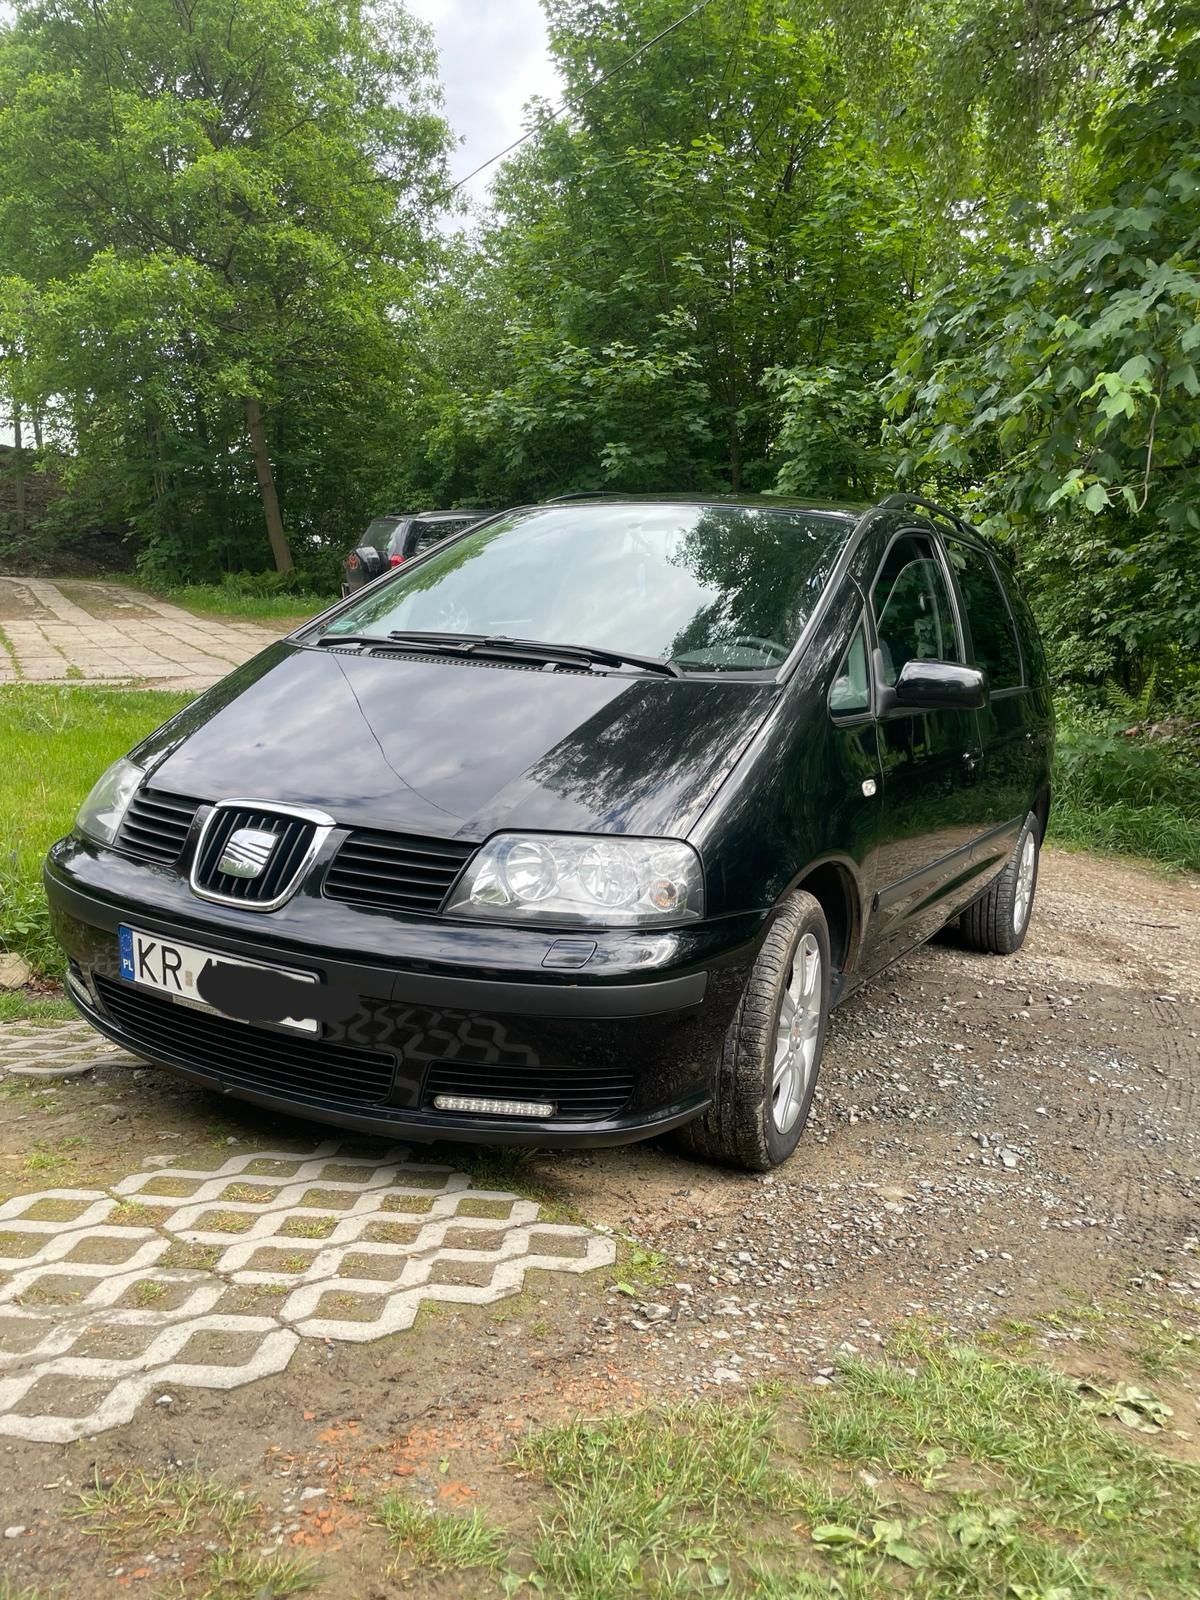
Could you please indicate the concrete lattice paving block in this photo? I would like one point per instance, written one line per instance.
(58, 1051)
(109, 1294)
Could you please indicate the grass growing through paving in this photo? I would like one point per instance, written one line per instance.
(54, 744)
(940, 1471)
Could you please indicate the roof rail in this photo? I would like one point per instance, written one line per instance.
(916, 502)
(584, 494)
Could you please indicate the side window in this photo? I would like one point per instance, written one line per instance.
(988, 614)
(914, 616)
(850, 692)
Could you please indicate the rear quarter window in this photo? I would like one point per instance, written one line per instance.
(989, 614)
(1032, 648)
(424, 534)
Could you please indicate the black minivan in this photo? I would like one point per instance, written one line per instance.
(573, 830)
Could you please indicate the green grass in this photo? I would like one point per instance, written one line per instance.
(440, 1541)
(939, 1471)
(137, 1511)
(1166, 834)
(238, 1575)
(41, 1009)
(1126, 795)
(240, 596)
(54, 744)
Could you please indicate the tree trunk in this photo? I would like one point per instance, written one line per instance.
(280, 548)
(19, 471)
(735, 453)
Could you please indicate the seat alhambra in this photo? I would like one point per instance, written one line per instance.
(572, 829)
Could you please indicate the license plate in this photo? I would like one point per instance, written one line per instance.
(172, 968)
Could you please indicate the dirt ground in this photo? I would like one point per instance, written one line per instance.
(993, 1139)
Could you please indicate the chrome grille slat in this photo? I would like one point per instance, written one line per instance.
(295, 836)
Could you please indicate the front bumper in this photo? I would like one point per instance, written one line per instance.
(625, 1050)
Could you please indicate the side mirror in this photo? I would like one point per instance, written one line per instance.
(362, 566)
(940, 686)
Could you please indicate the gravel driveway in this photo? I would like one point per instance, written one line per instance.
(993, 1139)
(73, 630)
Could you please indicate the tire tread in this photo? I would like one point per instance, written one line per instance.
(731, 1132)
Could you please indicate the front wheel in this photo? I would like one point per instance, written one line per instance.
(772, 1052)
(999, 920)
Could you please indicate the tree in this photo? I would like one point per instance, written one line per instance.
(708, 218)
(1061, 387)
(214, 209)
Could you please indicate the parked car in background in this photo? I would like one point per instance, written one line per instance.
(392, 539)
(573, 829)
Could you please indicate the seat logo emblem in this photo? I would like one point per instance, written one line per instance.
(247, 852)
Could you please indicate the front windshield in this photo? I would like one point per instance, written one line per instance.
(709, 587)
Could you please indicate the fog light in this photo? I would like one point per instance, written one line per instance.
(493, 1108)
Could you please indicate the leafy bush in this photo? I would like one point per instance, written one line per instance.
(1127, 793)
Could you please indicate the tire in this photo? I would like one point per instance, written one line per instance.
(742, 1126)
(998, 921)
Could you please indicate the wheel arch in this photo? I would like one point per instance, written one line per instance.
(834, 882)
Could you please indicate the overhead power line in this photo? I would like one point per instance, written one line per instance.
(591, 88)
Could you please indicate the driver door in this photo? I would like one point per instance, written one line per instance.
(933, 804)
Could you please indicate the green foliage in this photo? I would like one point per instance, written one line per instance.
(1063, 381)
(700, 278)
(261, 595)
(204, 208)
(718, 228)
(440, 1541)
(1128, 793)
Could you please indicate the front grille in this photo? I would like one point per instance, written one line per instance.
(311, 1070)
(156, 825)
(396, 872)
(277, 878)
(580, 1094)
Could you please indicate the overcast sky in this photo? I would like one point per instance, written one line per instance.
(493, 59)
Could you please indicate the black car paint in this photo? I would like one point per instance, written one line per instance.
(461, 748)
(897, 818)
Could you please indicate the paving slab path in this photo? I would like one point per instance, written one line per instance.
(71, 631)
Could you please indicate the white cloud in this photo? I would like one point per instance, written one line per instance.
(494, 59)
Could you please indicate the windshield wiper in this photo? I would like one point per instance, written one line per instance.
(427, 641)
(462, 644)
(348, 638)
(585, 654)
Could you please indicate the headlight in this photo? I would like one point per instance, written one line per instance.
(100, 814)
(546, 877)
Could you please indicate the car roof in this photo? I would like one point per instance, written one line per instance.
(851, 509)
(443, 516)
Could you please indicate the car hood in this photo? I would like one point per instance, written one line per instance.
(452, 748)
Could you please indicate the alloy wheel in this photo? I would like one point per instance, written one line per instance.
(1023, 893)
(796, 1036)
